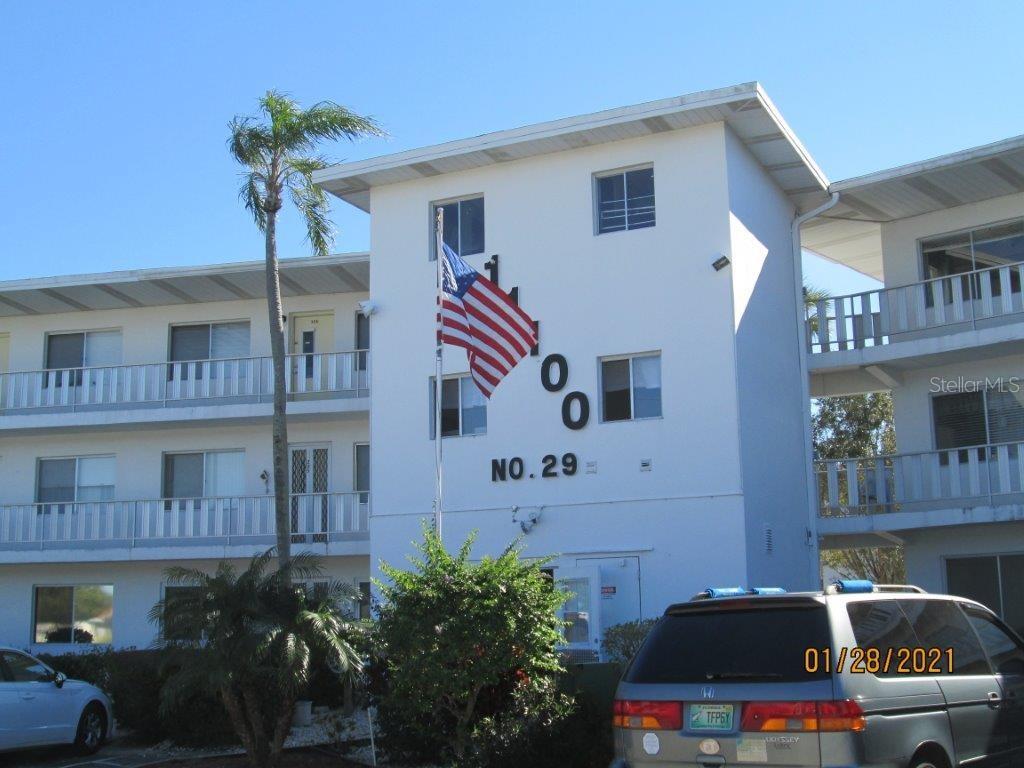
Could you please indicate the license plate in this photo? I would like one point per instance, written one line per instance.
(711, 717)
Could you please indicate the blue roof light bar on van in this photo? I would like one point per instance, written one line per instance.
(853, 586)
(713, 592)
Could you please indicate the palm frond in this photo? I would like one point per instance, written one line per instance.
(253, 197)
(312, 203)
(330, 121)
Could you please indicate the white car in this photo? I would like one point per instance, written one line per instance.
(39, 706)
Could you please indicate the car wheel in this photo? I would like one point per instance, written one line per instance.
(92, 729)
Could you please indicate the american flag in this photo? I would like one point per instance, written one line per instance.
(480, 317)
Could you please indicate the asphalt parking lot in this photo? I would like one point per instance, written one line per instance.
(111, 756)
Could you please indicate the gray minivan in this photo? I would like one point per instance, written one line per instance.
(859, 674)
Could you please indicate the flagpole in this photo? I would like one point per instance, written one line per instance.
(438, 372)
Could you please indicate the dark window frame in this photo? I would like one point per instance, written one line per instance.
(629, 359)
(462, 379)
(458, 202)
(630, 210)
(72, 633)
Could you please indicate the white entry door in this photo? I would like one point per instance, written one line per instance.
(311, 334)
(310, 475)
(581, 612)
(620, 588)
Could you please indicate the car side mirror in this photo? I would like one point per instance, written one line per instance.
(59, 679)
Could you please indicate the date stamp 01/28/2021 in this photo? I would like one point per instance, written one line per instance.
(879, 661)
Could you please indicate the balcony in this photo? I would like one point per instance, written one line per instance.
(328, 522)
(127, 393)
(977, 484)
(943, 305)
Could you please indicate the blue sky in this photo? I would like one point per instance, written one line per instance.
(114, 117)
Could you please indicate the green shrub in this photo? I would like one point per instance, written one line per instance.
(133, 679)
(622, 641)
(467, 667)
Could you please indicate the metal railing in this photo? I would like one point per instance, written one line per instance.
(314, 517)
(887, 315)
(980, 474)
(329, 374)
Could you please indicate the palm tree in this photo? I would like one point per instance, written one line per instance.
(812, 296)
(250, 636)
(277, 150)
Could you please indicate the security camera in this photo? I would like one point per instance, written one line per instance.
(367, 307)
(264, 475)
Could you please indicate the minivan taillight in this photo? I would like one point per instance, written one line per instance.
(650, 715)
(845, 715)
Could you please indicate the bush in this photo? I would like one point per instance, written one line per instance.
(133, 679)
(622, 641)
(467, 667)
(578, 735)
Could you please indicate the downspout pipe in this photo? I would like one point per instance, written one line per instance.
(805, 385)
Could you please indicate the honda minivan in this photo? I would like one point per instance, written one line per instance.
(856, 675)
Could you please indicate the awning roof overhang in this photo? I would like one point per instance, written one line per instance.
(339, 273)
(850, 232)
(746, 109)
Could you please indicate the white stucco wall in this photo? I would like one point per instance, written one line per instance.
(145, 331)
(927, 549)
(912, 401)
(139, 453)
(594, 295)
(771, 406)
(137, 587)
(900, 256)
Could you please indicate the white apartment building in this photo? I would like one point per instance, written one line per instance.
(945, 336)
(135, 433)
(655, 444)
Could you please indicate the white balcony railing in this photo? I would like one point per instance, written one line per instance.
(888, 315)
(327, 374)
(983, 474)
(315, 517)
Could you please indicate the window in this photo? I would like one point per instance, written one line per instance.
(85, 478)
(463, 225)
(463, 407)
(85, 349)
(203, 474)
(631, 387)
(362, 340)
(75, 614)
(881, 624)
(988, 416)
(23, 669)
(361, 471)
(708, 646)
(941, 624)
(624, 200)
(989, 246)
(992, 580)
(209, 341)
(1004, 651)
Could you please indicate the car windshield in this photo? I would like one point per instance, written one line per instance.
(765, 644)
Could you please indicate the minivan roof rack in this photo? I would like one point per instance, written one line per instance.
(900, 588)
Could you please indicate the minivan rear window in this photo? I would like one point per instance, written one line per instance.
(767, 644)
